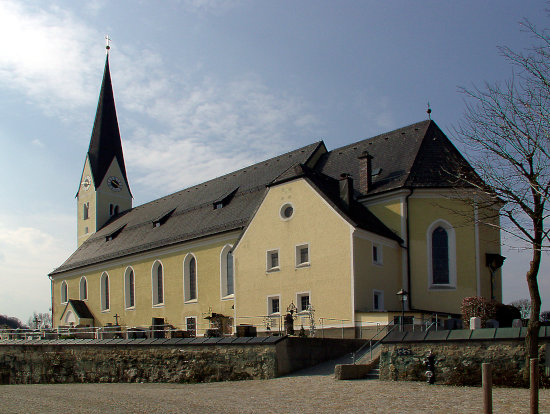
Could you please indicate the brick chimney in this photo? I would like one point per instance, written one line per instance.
(365, 172)
(346, 189)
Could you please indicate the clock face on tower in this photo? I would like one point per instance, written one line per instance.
(114, 183)
(86, 182)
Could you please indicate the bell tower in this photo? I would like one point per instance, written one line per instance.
(103, 190)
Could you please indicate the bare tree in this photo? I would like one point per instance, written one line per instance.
(507, 127)
(40, 320)
(524, 307)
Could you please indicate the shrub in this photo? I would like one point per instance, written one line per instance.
(480, 307)
(505, 314)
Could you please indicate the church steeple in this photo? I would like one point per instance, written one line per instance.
(104, 191)
(105, 144)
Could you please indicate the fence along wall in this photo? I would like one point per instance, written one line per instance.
(162, 360)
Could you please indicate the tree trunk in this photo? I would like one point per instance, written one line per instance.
(532, 336)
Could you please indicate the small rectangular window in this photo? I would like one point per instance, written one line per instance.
(272, 260)
(302, 255)
(377, 254)
(191, 325)
(377, 300)
(303, 302)
(273, 305)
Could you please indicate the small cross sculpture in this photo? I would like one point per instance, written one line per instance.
(107, 43)
(116, 318)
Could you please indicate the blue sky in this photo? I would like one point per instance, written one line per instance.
(203, 87)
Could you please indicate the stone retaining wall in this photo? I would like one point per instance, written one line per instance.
(172, 360)
(458, 363)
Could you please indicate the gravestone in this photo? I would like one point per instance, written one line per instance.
(491, 323)
(475, 323)
(517, 323)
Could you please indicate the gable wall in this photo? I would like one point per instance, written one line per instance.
(86, 196)
(327, 278)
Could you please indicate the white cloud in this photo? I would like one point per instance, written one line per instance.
(46, 53)
(27, 255)
(37, 143)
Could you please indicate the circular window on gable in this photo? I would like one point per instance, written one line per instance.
(287, 211)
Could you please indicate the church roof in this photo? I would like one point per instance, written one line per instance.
(105, 143)
(80, 308)
(416, 156)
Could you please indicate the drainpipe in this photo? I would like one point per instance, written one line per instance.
(408, 250)
(51, 295)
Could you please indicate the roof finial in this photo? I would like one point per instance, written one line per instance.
(429, 111)
(107, 43)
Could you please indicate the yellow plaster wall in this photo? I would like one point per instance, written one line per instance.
(106, 196)
(174, 311)
(423, 212)
(385, 277)
(489, 242)
(389, 212)
(328, 276)
(86, 196)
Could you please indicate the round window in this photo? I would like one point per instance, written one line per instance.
(286, 211)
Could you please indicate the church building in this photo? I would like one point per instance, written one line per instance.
(345, 238)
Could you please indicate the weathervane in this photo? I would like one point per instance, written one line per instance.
(429, 111)
(107, 43)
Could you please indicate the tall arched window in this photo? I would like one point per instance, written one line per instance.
(86, 207)
(64, 292)
(157, 278)
(83, 290)
(129, 288)
(190, 278)
(226, 272)
(104, 289)
(441, 255)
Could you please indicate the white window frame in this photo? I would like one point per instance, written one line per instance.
(380, 294)
(80, 295)
(270, 305)
(154, 284)
(379, 253)
(299, 296)
(225, 295)
(186, 280)
(269, 261)
(298, 250)
(105, 304)
(64, 292)
(127, 288)
(451, 238)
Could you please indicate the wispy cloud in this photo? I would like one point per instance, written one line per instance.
(27, 255)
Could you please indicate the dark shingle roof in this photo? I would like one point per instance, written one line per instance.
(105, 143)
(418, 155)
(194, 215)
(80, 308)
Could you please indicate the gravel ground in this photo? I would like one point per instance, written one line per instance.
(299, 393)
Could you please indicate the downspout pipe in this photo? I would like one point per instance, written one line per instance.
(51, 296)
(408, 250)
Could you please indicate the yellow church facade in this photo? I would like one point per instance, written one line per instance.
(332, 235)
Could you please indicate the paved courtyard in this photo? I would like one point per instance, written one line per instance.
(294, 394)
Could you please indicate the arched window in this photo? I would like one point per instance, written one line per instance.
(226, 272)
(86, 207)
(83, 288)
(441, 255)
(129, 288)
(64, 292)
(104, 289)
(190, 278)
(157, 279)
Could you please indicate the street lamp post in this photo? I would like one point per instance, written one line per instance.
(403, 297)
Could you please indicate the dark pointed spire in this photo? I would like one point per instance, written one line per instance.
(105, 144)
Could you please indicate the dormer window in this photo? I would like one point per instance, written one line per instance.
(115, 233)
(163, 218)
(224, 200)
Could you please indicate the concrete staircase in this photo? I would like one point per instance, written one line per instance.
(374, 373)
